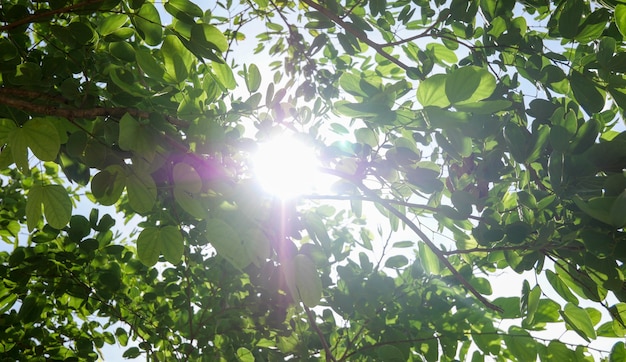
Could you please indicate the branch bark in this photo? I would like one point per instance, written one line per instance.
(73, 113)
(39, 16)
(311, 317)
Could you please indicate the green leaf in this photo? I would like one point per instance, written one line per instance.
(148, 23)
(366, 136)
(134, 136)
(111, 23)
(597, 207)
(172, 243)
(190, 203)
(560, 287)
(147, 62)
(131, 353)
(227, 243)
(186, 178)
(396, 261)
(521, 344)
(484, 107)
(538, 141)
(141, 189)
(257, 246)
(6, 127)
(307, 282)
(579, 320)
(586, 92)
(517, 138)
(224, 75)
(33, 207)
(618, 211)
(244, 355)
(558, 351)
(620, 18)
(570, 17)
(184, 10)
(432, 91)
(206, 35)
(31, 308)
(442, 54)
(390, 353)
(149, 245)
(618, 351)
(253, 78)
(108, 184)
(533, 304)
(57, 206)
(122, 51)
(38, 134)
(429, 259)
(316, 229)
(177, 60)
(469, 84)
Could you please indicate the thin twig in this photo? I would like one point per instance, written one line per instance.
(428, 243)
(356, 33)
(311, 317)
(395, 202)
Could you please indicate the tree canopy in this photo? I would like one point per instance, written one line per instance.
(490, 131)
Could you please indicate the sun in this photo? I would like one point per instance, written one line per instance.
(287, 167)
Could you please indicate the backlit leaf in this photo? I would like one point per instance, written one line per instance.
(432, 91)
(469, 84)
(396, 261)
(620, 18)
(307, 282)
(186, 178)
(111, 23)
(224, 75)
(579, 320)
(108, 184)
(33, 207)
(141, 190)
(172, 244)
(429, 259)
(521, 344)
(253, 78)
(149, 245)
(148, 23)
(227, 243)
(176, 58)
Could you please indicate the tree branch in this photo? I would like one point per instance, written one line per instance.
(39, 16)
(311, 317)
(395, 202)
(51, 110)
(440, 255)
(356, 33)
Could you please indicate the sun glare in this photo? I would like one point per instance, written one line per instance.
(287, 167)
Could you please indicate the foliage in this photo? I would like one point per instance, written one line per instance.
(495, 120)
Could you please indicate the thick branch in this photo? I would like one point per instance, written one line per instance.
(356, 33)
(440, 255)
(87, 113)
(43, 15)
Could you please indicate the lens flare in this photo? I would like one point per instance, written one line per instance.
(287, 167)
